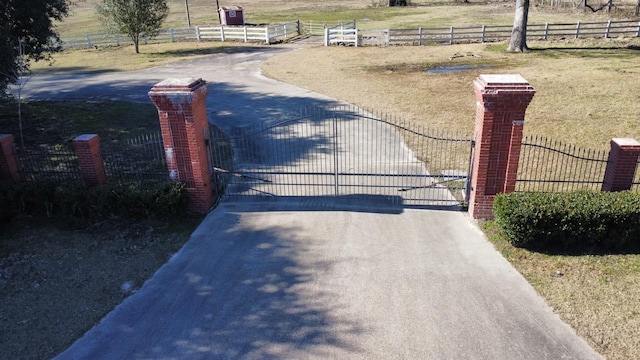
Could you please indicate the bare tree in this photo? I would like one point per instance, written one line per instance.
(20, 77)
(518, 42)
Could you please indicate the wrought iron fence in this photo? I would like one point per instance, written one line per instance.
(343, 151)
(49, 162)
(552, 166)
(139, 157)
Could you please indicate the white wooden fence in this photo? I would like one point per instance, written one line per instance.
(343, 34)
(481, 33)
(268, 34)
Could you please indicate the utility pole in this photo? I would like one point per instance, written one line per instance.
(186, 5)
(218, 11)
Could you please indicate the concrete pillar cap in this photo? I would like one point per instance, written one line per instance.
(178, 85)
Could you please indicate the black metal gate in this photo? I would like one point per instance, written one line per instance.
(343, 152)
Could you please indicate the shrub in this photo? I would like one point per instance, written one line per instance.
(572, 221)
(73, 204)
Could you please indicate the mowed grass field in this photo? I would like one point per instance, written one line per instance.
(587, 93)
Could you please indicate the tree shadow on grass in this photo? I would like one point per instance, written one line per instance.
(226, 50)
(618, 52)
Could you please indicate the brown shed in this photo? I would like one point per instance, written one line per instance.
(232, 15)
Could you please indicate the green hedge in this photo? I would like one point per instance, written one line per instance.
(74, 204)
(570, 221)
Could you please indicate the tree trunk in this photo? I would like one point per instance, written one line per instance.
(136, 43)
(518, 42)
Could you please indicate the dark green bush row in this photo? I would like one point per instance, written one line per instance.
(571, 221)
(74, 203)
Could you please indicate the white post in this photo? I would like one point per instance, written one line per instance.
(388, 37)
(245, 34)
(266, 35)
(546, 31)
(88, 40)
(222, 33)
(356, 34)
(419, 36)
(578, 29)
(484, 29)
(198, 33)
(172, 37)
(606, 34)
(638, 32)
(326, 37)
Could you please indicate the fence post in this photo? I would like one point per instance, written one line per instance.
(198, 33)
(621, 164)
(117, 40)
(9, 164)
(183, 121)
(388, 37)
(87, 148)
(356, 34)
(419, 36)
(606, 34)
(578, 29)
(245, 33)
(501, 102)
(88, 40)
(484, 30)
(172, 36)
(266, 35)
(546, 31)
(326, 37)
(451, 36)
(638, 32)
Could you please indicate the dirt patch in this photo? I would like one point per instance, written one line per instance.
(57, 284)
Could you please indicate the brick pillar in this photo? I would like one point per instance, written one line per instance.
(9, 165)
(182, 111)
(87, 148)
(501, 104)
(621, 165)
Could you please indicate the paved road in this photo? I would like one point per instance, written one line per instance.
(315, 278)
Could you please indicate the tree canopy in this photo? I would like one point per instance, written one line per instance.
(27, 24)
(135, 18)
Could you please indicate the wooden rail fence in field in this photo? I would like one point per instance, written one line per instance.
(268, 34)
(480, 33)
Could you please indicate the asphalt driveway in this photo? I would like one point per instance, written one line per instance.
(314, 278)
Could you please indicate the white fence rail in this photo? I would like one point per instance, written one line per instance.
(269, 34)
(481, 33)
(343, 34)
(314, 28)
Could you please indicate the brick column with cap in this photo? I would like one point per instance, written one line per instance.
(181, 105)
(621, 165)
(9, 165)
(501, 102)
(87, 148)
